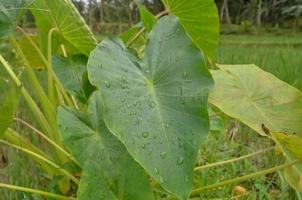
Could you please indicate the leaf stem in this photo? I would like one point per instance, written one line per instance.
(142, 30)
(244, 178)
(234, 159)
(47, 139)
(63, 171)
(35, 191)
(51, 90)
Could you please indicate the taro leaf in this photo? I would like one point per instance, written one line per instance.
(9, 97)
(70, 72)
(62, 14)
(256, 97)
(109, 172)
(200, 19)
(157, 107)
(9, 13)
(291, 146)
(147, 18)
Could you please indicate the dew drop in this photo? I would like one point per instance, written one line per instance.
(123, 78)
(152, 104)
(163, 155)
(180, 161)
(145, 134)
(107, 84)
(156, 171)
(187, 178)
(143, 146)
(167, 125)
(123, 87)
(123, 100)
(185, 74)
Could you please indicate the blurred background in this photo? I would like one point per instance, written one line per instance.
(264, 32)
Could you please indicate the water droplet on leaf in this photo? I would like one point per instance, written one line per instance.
(152, 104)
(107, 84)
(145, 134)
(163, 155)
(180, 161)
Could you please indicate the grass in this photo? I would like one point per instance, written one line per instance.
(280, 55)
(284, 61)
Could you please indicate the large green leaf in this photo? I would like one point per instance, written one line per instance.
(264, 103)
(63, 15)
(9, 13)
(158, 106)
(257, 98)
(109, 172)
(200, 19)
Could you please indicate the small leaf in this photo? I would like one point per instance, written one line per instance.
(70, 72)
(156, 106)
(291, 142)
(200, 20)
(147, 18)
(257, 99)
(291, 146)
(109, 172)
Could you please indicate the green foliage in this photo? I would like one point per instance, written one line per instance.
(70, 71)
(291, 146)
(139, 135)
(200, 20)
(109, 172)
(9, 97)
(10, 11)
(158, 106)
(147, 18)
(257, 98)
(63, 16)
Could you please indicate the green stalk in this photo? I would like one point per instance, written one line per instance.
(46, 63)
(51, 94)
(48, 108)
(142, 30)
(15, 138)
(234, 159)
(33, 106)
(63, 171)
(243, 178)
(35, 191)
(55, 145)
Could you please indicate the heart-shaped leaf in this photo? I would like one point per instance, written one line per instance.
(200, 19)
(109, 172)
(257, 98)
(158, 106)
(64, 16)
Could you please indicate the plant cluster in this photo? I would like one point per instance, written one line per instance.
(124, 119)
